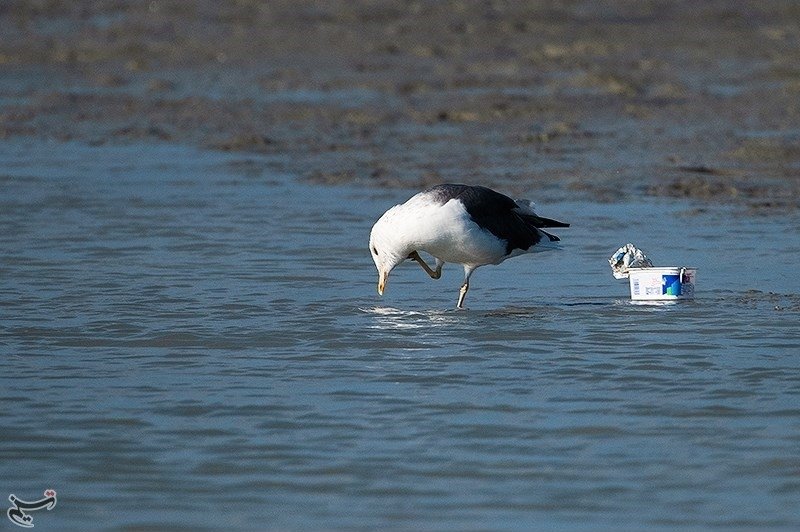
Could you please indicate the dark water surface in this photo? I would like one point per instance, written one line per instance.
(189, 340)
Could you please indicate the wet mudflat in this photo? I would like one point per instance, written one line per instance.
(602, 98)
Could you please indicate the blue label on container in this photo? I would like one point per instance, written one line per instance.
(671, 285)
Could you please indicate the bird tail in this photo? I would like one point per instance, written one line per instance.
(553, 238)
(526, 212)
(538, 221)
(535, 224)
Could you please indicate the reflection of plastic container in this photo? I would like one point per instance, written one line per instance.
(662, 283)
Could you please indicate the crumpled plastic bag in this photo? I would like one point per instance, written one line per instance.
(628, 256)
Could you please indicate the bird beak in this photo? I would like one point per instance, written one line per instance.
(383, 276)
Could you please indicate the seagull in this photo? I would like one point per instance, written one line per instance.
(468, 225)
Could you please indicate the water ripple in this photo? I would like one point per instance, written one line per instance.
(197, 345)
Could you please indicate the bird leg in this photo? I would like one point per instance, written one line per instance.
(435, 274)
(462, 294)
(468, 269)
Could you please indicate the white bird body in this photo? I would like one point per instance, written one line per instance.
(444, 231)
(472, 226)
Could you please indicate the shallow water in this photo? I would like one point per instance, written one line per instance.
(191, 340)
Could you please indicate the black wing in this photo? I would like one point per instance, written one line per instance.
(497, 214)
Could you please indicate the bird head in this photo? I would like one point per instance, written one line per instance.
(387, 248)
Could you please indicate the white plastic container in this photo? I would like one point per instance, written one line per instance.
(659, 284)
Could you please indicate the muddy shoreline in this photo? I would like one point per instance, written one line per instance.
(599, 100)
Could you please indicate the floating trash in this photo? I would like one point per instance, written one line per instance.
(650, 283)
(627, 257)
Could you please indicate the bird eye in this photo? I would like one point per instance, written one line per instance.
(374, 251)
